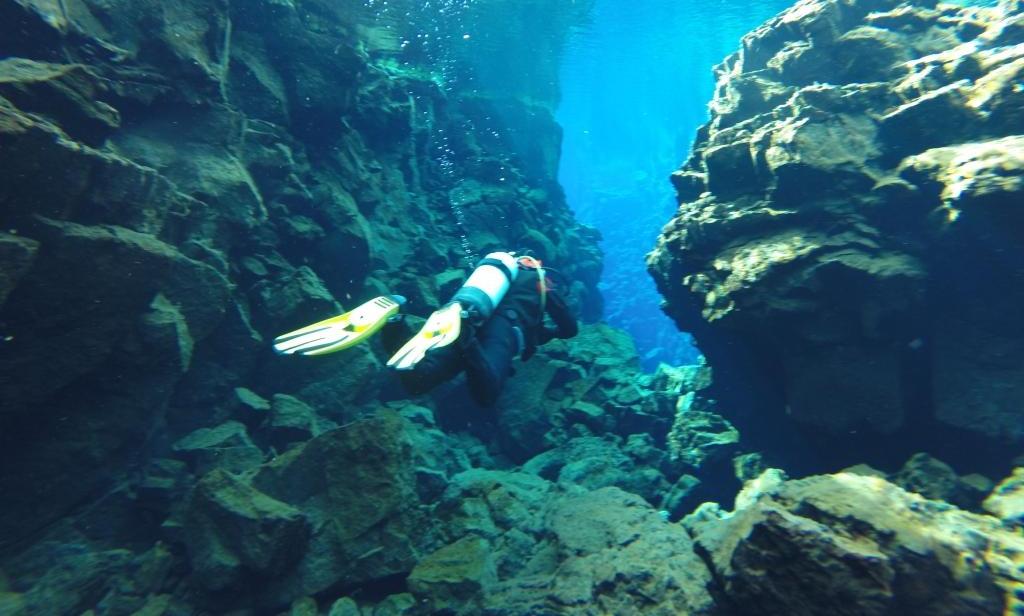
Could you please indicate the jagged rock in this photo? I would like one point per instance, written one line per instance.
(849, 544)
(490, 503)
(1007, 499)
(593, 463)
(163, 484)
(226, 446)
(233, 530)
(344, 607)
(844, 241)
(973, 489)
(456, 574)
(65, 92)
(357, 486)
(190, 185)
(70, 577)
(293, 420)
(251, 400)
(139, 322)
(936, 480)
(748, 466)
(680, 497)
(699, 437)
(866, 471)
(546, 561)
(609, 560)
(931, 478)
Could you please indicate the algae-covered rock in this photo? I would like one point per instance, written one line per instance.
(456, 574)
(1007, 499)
(233, 530)
(293, 420)
(700, 437)
(626, 549)
(525, 537)
(185, 184)
(593, 463)
(838, 543)
(928, 477)
(359, 487)
(344, 607)
(845, 234)
(227, 446)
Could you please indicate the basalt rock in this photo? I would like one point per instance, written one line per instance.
(1007, 500)
(852, 544)
(847, 241)
(184, 182)
(520, 549)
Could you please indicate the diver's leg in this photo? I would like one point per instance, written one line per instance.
(488, 358)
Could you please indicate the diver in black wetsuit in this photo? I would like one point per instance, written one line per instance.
(486, 345)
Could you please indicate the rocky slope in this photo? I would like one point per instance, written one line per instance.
(846, 248)
(179, 186)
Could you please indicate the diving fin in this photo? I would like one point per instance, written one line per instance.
(440, 330)
(340, 332)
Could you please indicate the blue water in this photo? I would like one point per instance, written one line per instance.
(635, 84)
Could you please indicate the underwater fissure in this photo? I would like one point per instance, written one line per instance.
(189, 188)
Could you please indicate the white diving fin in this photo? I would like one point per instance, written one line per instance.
(342, 331)
(441, 329)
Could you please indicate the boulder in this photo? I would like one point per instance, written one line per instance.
(456, 574)
(293, 420)
(522, 550)
(928, 477)
(234, 531)
(852, 544)
(226, 446)
(625, 550)
(700, 437)
(1007, 499)
(593, 463)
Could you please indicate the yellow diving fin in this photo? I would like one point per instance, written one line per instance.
(340, 332)
(440, 330)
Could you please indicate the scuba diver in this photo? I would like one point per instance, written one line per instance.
(497, 315)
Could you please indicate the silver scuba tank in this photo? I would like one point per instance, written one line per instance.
(487, 285)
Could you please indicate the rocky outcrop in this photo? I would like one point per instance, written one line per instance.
(847, 241)
(852, 544)
(531, 555)
(1007, 499)
(184, 182)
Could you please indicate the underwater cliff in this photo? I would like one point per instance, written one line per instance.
(182, 182)
(847, 240)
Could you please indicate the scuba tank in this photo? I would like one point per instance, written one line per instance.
(487, 285)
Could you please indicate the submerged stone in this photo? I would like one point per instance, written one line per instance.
(844, 525)
(233, 531)
(1007, 499)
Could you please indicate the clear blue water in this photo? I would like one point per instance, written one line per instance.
(635, 86)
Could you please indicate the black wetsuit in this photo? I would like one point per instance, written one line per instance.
(516, 327)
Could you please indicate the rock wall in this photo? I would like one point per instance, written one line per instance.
(184, 181)
(847, 246)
